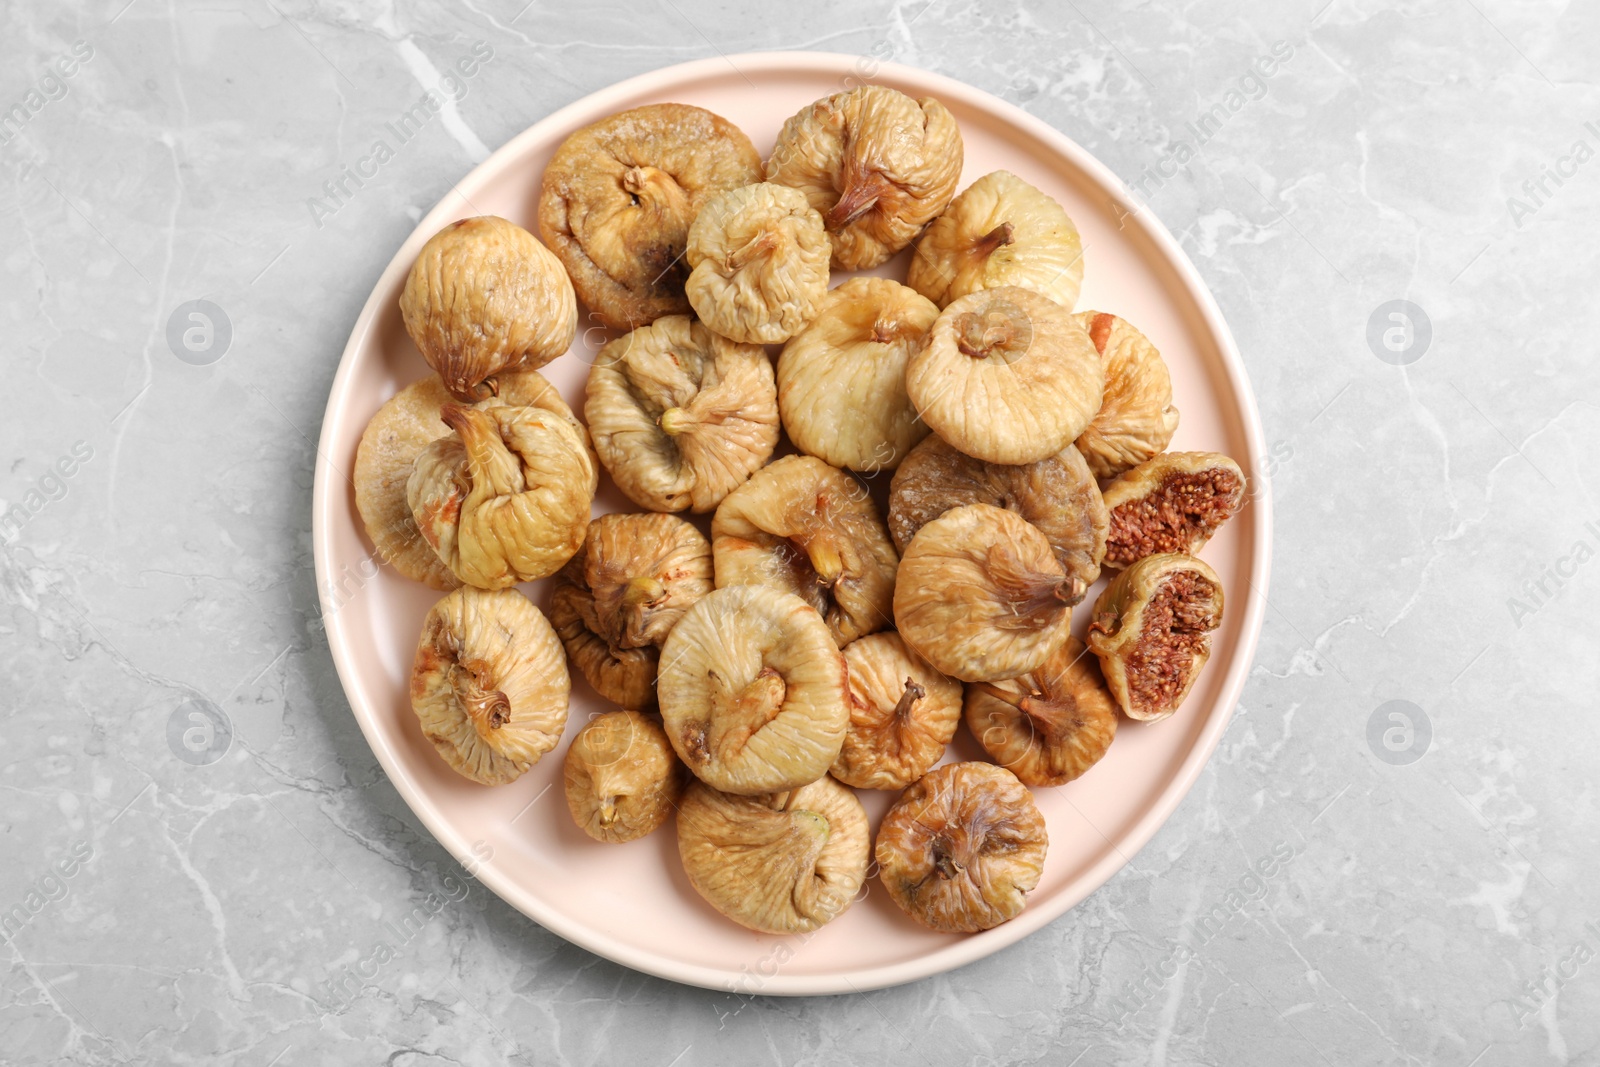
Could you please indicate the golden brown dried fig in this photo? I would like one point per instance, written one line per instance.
(842, 380)
(1152, 632)
(1136, 419)
(1050, 725)
(485, 296)
(618, 198)
(759, 264)
(1172, 503)
(784, 863)
(1006, 376)
(489, 684)
(390, 445)
(621, 778)
(806, 528)
(961, 849)
(876, 164)
(999, 231)
(1057, 495)
(902, 714)
(618, 598)
(753, 691)
(679, 415)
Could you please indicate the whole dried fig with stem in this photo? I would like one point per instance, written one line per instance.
(406, 424)
(842, 380)
(784, 863)
(621, 778)
(753, 691)
(1152, 632)
(1006, 376)
(485, 296)
(619, 196)
(902, 715)
(489, 684)
(876, 164)
(1172, 503)
(999, 231)
(1136, 419)
(680, 415)
(961, 849)
(806, 528)
(981, 596)
(1050, 725)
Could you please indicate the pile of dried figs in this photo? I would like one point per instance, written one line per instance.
(958, 459)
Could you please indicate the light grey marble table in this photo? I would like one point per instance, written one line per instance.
(1398, 222)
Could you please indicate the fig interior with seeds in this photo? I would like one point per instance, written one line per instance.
(1172, 503)
(1152, 631)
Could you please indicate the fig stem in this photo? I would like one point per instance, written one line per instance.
(859, 197)
(642, 590)
(675, 421)
(995, 239)
(943, 862)
(908, 699)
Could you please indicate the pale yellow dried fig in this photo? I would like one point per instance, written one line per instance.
(406, 424)
(1136, 419)
(1152, 632)
(1049, 726)
(1172, 503)
(902, 715)
(621, 778)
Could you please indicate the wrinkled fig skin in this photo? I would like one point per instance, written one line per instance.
(1006, 376)
(1057, 495)
(679, 415)
(842, 380)
(806, 528)
(753, 691)
(980, 595)
(876, 164)
(618, 199)
(1152, 629)
(999, 231)
(485, 296)
(622, 780)
(902, 715)
(961, 849)
(1049, 726)
(758, 259)
(406, 424)
(1136, 420)
(1173, 503)
(618, 598)
(784, 863)
(489, 684)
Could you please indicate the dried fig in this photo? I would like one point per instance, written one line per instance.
(1050, 725)
(618, 198)
(981, 596)
(679, 415)
(902, 714)
(618, 598)
(1136, 418)
(806, 528)
(961, 849)
(621, 778)
(1057, 495)
(758, 259)
(876, 164)
(489, 684)
(1172, 503)
(842, 380)
(753, 691)
(1152, 632)
(485, 296)
(785, 863)
(1006, 376)
(999, 231)
(390, 445)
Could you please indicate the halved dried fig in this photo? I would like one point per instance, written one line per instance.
(621, 778)
(902, 714)
(806, 528)
(1172, 503)
(999, 231)
(842, 380)
(618, 598)
(485, 296)
(1050, 725)
(753, 691)
(961, 849)
(680, 415)
(390, 445)
(784, 863)
(1136, 419)
(618, 198)
(1152, 632)
(489, 684)
(1057, 495)
(1006, 376)
(876, 164)
(981, 596)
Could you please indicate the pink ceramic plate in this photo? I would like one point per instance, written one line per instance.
(631, 903)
